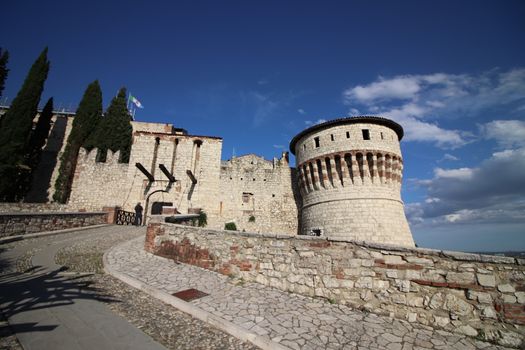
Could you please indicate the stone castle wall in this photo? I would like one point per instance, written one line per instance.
(122, 184)
(258, 195)
(478, 295)
(46, 173)
(43, 185)
(218, 191)
(97, 185)
(200, 155)
(351, 185)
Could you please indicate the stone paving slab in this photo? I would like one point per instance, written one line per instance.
(283, 319)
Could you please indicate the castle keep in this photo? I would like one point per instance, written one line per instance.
(350, 174)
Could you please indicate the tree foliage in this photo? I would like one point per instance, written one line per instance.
(114, 130)
(87, 118)
(36, 142)
(4, 58)
(39, 134)
(230, 226)
(16, 127)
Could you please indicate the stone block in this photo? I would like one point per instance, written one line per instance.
(489, 312)
(486, 280)
(411, 317)
(457, 305)
(394, 259)
(508, 299)
(461, 277)
(520, 296)
(419, 261)
(506, 288)
(467, 330)
(391, 273)
(441, 321)
(364, 282)
(403, 285)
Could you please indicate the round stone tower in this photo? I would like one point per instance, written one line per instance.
(350, 172)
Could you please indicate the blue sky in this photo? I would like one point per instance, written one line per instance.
(256, 73)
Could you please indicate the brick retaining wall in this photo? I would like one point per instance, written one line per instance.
(478, 295)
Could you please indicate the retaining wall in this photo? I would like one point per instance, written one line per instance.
(31, 222)
(478, 295)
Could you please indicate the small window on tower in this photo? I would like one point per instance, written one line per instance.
(366, 134)
(348, 134)
(332, 137)
(316, 140)
(246, 197)
(382, 136)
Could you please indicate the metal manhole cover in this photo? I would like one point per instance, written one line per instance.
(190, 294)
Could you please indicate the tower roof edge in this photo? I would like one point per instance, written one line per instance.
(349, 120)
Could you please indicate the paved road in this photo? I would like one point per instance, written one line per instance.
(49, 308)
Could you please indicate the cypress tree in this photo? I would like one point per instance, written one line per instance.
(16, 127)
(4, 57)
(114, 130)
(39, 135)
(37, 140)
(87, 118)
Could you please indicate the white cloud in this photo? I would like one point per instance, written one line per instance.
(418, 101)
(459, 174)
(448, 157)
(432, 200)
(401, 87)
(494, 192)
(301, 111)
(507, 133)
(318, 121)
(279, 146)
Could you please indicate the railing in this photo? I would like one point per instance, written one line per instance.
(125, 217)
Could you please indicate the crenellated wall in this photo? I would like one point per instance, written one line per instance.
(259, 195)
(478, 295)
(350, 173)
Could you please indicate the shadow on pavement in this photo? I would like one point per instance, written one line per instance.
(44, 289)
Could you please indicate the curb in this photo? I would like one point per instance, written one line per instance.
(10, 239)
(192, 310)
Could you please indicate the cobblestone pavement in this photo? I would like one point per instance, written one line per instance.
(82, 253)
(291, 320)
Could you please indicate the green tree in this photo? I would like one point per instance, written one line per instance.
(87, 118)
(36, 142)
(16, 127)
(114, 130)
(39, 134)
(4, 57)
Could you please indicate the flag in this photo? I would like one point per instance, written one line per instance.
(135, 101)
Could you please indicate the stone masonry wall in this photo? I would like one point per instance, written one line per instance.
(258, 195)
(478, 295)
(17, 207)
(97, 185)
(24, 223)
(350, 183)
